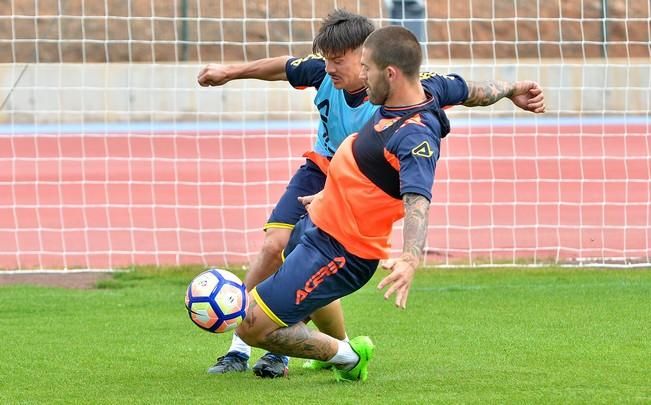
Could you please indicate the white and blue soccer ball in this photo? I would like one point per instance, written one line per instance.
(216, 300)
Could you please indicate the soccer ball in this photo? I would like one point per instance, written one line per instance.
(216, 300)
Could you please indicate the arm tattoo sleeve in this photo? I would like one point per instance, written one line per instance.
(415, 227)
(487, 92)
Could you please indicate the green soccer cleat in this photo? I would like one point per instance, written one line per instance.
(364, 347)
(316, 365)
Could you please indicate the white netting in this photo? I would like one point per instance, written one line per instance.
(111, 155)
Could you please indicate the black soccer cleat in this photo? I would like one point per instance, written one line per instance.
(230, 363)
(271, 366)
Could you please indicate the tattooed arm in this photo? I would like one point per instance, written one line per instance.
(415, 228)
(414, 236)
(525, 94)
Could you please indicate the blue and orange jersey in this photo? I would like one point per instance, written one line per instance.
(393, 154)
(449, 89)
(343, 113)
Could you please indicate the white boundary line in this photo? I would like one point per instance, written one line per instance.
(52, 271)
(442, 266)
(103, 128)
(542, 265)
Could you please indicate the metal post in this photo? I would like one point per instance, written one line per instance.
(184, 30)
(604, 28)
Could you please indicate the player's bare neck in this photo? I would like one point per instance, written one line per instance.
(406, 95)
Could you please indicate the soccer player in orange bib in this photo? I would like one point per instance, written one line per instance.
(377, 176)
(342, 102)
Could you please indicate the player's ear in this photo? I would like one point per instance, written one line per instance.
(392, 73)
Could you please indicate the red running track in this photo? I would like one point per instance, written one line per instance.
(544, 193)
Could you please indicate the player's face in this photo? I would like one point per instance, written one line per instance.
(374, 78)
(344, 70)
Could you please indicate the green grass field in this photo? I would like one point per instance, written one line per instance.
(482, 335)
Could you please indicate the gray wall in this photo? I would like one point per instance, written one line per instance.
(74, 93)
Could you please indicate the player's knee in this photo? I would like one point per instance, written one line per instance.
(255, 337)
(248, 335)
(274, 242)
(272, 248)
(256, 327)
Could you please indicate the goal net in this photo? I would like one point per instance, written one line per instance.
(111, 155)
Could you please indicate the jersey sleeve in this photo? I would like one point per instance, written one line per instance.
(417, 150)
(305, 72)
(449, 89)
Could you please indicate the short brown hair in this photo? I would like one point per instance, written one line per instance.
(397, 46)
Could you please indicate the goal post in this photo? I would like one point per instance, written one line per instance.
(112, 156)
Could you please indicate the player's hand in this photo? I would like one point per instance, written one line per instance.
(307, 200)
(529, 96)
(213, 74)
(387, 264)
(402, 274)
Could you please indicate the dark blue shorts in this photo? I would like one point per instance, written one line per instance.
(307, 180)
(316, 272)
(297, 233)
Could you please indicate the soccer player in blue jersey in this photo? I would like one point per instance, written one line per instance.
(342, 102)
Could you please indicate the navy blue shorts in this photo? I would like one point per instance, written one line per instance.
(307, 180)
(316, 272)
(297, 233)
